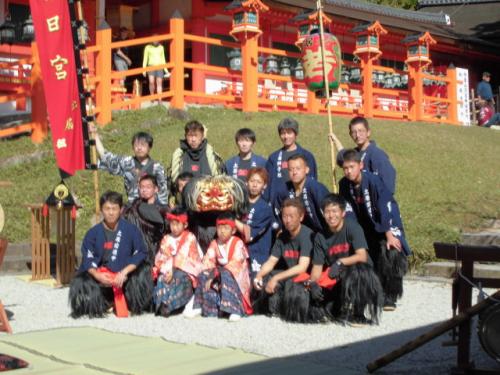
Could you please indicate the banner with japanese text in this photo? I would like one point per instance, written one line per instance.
(54, 38)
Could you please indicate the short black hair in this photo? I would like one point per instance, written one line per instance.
(359, 120)
(149, 177)
(227, 215)
(143, 136)
(194, 125)
(111, 197)
(351, 155)
(245, 133)
(184, 176)
(288, 123)
(298, 157)
(333, 199)
(294, 202)
(178, 210)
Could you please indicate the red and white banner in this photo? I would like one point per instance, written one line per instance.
(53, 34)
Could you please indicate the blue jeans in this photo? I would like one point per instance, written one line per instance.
(494, 120)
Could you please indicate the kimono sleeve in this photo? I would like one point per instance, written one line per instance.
(319, 250)
(163, 259)
(139, 250)
(383, 200)
(112, 163)
(311, 163)
(261, 222)
(163, 186)
(236, 264)
(209, 260)
(380, 165)
(89, 255)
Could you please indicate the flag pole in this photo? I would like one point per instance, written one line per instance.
(333, 155)
(89, 109)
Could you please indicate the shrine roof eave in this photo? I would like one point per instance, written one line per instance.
(361, 10)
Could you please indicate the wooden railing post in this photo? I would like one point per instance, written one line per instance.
(451, 87)
(177, 59)
(249, 57)
(367, 69)
(103, 71)
(415, 92)
(39, 123)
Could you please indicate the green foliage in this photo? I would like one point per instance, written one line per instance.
(447, 180)
(405, 4)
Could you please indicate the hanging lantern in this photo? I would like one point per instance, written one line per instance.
(272, 64)
(397, 80)
(388, 81)
(345, 75)
(285, 67)
(260, 66)
(7, 31)
(313, 65)
(298, 71)
(404, 80)
(28, 30)
(355, 75)
(234, 59)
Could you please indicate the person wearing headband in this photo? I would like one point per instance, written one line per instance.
(177, 265)
(224, 285)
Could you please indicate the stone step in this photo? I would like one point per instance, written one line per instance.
(447, 269)
(487, 238)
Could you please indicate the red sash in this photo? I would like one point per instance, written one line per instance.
(120, 301)
(324, 281)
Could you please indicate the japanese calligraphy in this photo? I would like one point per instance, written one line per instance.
(59, 63)
(61, 143)
(53, 24)
(69, 124)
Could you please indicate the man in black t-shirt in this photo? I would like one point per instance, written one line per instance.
(293, 247)
(342, 249)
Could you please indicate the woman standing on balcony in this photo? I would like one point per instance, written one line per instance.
(154, 54)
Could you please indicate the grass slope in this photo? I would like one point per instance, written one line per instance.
(448, 177)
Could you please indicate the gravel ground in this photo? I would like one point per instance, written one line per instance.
(346, 349)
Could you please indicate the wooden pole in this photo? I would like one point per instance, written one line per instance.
(432, 334)
(90, 112)
(333, 155)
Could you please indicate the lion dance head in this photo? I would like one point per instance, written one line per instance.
(217, 193)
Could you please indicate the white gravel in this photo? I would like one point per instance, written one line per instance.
(346, 349)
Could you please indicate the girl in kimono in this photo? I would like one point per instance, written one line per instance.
(177, 265)
(224, 284)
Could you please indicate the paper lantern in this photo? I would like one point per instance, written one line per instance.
(313, 64)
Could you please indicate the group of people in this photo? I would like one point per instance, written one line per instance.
(300, 252)
(487, 116)
(153, 55)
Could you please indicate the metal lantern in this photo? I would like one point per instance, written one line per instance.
(345, 75)
(272, 64)
(397, 80)
(7, 31)
(388, 81)
(313, 62)
(260, 66)
(298, 71)
(285, 67)
(234, 59)
(355, 75)
(28, 30)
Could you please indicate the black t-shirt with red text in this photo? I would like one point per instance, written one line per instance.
(291, 249)
(329, 246)
(109, 236)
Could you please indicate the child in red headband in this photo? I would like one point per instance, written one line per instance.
(224, 285)
(177, 265)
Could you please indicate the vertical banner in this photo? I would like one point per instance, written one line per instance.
(463, 106)
(54, 37)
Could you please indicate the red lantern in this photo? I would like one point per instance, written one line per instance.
(313, 63)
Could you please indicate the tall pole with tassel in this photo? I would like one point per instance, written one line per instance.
(333, 154)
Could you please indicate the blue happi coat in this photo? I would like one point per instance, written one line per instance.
(274, 169)
(232, 165)
(260, 219)
(376, 161)
(128, 247)
(379, 203)
(312, 195)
